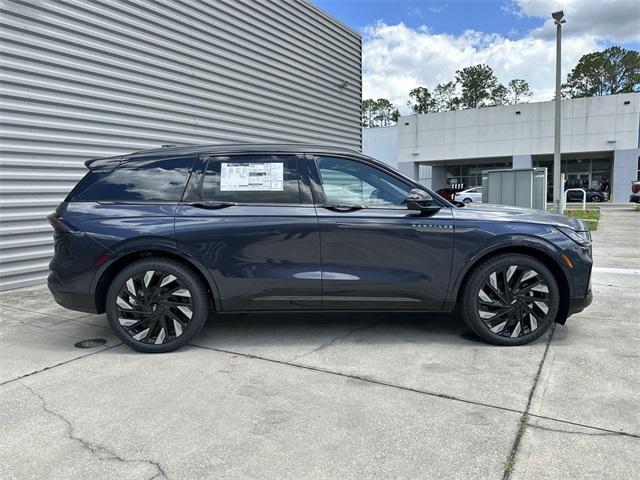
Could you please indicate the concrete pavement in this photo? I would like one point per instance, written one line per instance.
(329, 396)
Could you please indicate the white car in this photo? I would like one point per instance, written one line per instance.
(470, 195)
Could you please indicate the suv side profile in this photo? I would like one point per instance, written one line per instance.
(162, 238)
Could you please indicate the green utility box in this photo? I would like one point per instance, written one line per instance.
(521, 187)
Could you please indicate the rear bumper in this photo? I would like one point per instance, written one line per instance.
(73, 301)
(635, 197)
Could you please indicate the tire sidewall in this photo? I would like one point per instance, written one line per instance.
(478, 279)
(186, 277)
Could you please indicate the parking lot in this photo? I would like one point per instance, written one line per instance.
(305, 396)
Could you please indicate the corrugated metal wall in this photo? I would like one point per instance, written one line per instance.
(85, 79)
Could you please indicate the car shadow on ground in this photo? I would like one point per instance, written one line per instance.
(303, 328)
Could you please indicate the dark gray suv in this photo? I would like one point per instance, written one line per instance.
(160, 239)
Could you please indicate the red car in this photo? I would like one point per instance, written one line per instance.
(447, 193)
(635, 192)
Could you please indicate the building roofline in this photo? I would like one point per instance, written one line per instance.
(333, 19)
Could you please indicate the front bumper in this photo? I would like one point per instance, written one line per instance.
(578, 304)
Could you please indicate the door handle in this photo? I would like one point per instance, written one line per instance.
(211, 205)
(342, 207)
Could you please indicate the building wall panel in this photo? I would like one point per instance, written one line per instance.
(83, 79)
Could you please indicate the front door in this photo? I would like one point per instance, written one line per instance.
(377, 254)
(250, 220)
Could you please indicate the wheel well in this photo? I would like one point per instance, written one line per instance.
(538, 255)
(109, 274)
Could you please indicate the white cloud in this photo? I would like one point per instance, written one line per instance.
(397, 58)
(614, 20)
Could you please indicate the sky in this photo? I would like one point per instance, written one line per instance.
(413, 43)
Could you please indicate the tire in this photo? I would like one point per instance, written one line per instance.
(511, 312)
(467, 200)
(595, 199)
(156, 305)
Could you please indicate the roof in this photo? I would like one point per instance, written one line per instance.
(167, 152)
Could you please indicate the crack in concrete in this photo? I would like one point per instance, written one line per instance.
(100, 451)
(334, 340)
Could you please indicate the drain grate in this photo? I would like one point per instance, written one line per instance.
(91, 343)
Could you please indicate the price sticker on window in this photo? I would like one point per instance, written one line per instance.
(252, 177)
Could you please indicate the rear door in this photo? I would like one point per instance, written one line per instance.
(251, 221)
(377, 254)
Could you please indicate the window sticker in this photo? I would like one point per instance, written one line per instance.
(252, 177)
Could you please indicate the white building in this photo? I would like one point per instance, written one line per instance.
(86, 79)
(600, 140)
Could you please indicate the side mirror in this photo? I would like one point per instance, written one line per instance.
(459, 204)
(420, 200)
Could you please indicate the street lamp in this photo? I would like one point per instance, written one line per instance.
(558, 19)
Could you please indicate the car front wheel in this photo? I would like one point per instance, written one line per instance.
(156, 305)
(510, 299)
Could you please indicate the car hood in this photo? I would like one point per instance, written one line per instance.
(503, 213)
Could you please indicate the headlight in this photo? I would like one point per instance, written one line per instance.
(580, 237)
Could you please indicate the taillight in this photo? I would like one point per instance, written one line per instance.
(57, 223)
(635, 187)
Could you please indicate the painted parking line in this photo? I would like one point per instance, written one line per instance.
(622, 271)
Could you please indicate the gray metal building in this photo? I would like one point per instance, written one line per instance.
(92, 78)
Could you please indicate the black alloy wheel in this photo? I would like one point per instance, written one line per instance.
(156, 305)
(511, 300)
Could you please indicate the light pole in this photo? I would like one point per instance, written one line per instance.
(558, 19)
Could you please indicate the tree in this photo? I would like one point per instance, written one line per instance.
(445, 97)
(387, 113)
(500, 95)
(518, 91)
(378, 113)
(477, 83)
(614, 70)
(421, 100)
(368, 112)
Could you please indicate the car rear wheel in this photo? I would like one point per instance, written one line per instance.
(156, 305)
(467, 200)
(510, 299)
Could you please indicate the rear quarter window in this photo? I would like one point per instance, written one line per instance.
(151, 181)
(249, 179)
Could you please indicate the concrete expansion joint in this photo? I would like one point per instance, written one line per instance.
(577, 432)
(522, 425)
(35, 372)
(331, 342)
(101, 452)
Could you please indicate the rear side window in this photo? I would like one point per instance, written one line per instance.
(262, 179)
(150, 181)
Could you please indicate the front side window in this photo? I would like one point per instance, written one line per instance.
(262, 179)
(145, 181)
(350, 182)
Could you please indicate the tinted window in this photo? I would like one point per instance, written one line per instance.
(356, 183)
(252, 179)
(151, 181)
